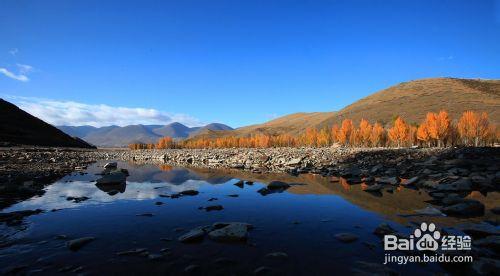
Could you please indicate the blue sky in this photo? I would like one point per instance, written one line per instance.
(236, 62)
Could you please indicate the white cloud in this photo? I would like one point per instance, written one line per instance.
(446, 58)
(14, 51)
(76, 114)
(20, 77)
(24, 68)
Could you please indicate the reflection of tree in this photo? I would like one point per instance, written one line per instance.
(344, 184)
(165, 168)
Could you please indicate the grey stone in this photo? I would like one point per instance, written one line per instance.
(76, 244)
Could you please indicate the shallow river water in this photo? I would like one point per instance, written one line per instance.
(301, 221)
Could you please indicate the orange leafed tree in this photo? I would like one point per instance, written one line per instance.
(438, 126)
(423, 134)
(323, 138)
(345, 132)
(335, 133)
(377, 137)
(473, 127)
(365, 130)
(399, 132)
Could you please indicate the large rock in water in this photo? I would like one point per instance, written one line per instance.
(194, 235)
(79, 243)
(467, 208)
(230, 232)
(463, 184)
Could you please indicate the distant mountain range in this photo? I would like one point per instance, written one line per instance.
(116, 136)
(17, 127)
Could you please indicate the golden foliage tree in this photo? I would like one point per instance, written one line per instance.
(377, 136)
(399, 132)
(473, 127)
(345, 132)
(365, 131)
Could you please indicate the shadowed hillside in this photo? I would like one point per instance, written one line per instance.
(17, 127)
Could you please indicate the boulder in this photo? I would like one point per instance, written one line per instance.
(231, 232)
(110, 165)
(374, 188)
(412, 181)
(114, 177)
(346, 237)
(479, 229)
(467, 208)
(384, 229)
(194, 235)
(461, 185)
(76, 244)
(275, 185)
(394, 180)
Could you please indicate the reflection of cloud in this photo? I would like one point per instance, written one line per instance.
(56, 194)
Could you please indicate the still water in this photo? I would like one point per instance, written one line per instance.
(301, 221)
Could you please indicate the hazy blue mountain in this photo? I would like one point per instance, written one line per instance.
(116, 136)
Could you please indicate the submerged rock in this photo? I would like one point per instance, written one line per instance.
(212, 208)
(230, 232)
(384, 229)
(429, 211)
(479, 229)
(346, 237)
(274, 185)
(189, 192)
(77, 199)
(136, 251)
(240, 184)
(76, 244)
(194, 235)
(466, 208)
(389, 180)
(374, 188)
(460, 185)
(263, 270)
(277, 255)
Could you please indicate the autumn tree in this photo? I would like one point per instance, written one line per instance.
(345, 132)
(323, 138)
(365, 130)
(438, 126)
(473, 127)
(399, 132)
(335, 133)
(377, 136)
(423, 134)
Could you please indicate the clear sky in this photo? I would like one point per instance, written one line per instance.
(236, 62)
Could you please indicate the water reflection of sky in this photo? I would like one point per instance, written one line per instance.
(56, 195)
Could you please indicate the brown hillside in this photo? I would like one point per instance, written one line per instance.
(412, 100)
